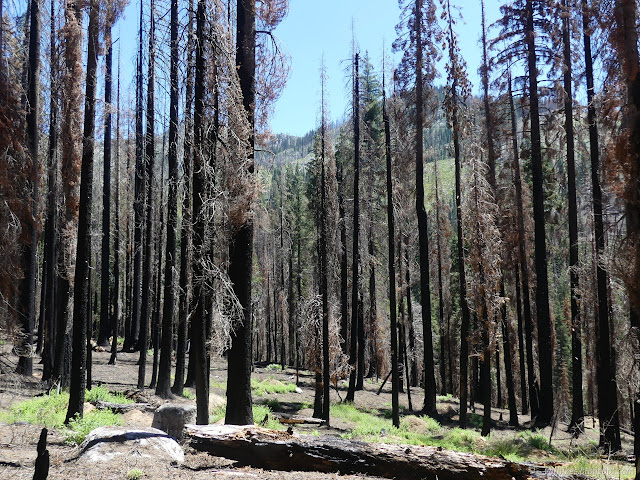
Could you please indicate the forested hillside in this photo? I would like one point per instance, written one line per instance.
(472, 235)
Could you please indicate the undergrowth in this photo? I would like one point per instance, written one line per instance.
(271, 385)
(101, 393)
(261, 416)
(263, 387)
(375, 426)
(51, 410)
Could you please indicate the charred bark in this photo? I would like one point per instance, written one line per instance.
(270, 449)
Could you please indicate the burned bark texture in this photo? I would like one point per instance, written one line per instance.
(270, 449)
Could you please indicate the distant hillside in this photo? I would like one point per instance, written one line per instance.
(283, 149)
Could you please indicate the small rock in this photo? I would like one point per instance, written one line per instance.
(172, 417)
(298, 390)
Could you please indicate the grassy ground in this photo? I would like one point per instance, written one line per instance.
(50, 411)
(282, 390)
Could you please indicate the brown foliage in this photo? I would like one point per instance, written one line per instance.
(71, 132)
(15, 171)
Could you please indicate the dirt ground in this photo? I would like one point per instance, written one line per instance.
(18, 441)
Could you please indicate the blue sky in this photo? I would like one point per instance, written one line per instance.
(313, 28)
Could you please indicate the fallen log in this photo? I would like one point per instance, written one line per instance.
(289, 419)
(275, 450)
(124, 407)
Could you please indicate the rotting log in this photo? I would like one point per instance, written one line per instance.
(289, 419)
(124, 407)
(275, 450)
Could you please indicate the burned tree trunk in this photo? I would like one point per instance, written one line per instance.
(82, 287)
(356, 231)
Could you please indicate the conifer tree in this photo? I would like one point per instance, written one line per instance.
(71, 160)
(116, 246)
(198, 322)
(132, 334)
(525, 26)
(241, 248)
(163, 388)
(186, 238)
(82, 290)
(458, 90)
(51, 234)
(149, 162)
(577, 410)
(324, 288)
(624, 37)
(392, 257)
(27, 295)
(417, 71)
(522, 272)
(356, 328)
(105, 327)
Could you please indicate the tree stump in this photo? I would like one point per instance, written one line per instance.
(42, 461)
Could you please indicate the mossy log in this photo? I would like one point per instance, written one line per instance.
(275, 450)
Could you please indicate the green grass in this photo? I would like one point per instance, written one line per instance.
(259, 413)
(272, 403)
(263, 387)
(79, 429)
(538, 441)
(217, 414)
(135, 474)
(188, 394)
(47, 410)
(51, 410)
(475, 420)
(101, 393)
(220, 385)
(374, 426)
(271, 385)
(444, 398)
(369, 424)
(274, 367)
(596, 469)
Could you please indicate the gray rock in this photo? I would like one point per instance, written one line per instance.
(105, 443)
(172, 417)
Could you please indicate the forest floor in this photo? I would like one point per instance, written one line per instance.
(18, 440)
